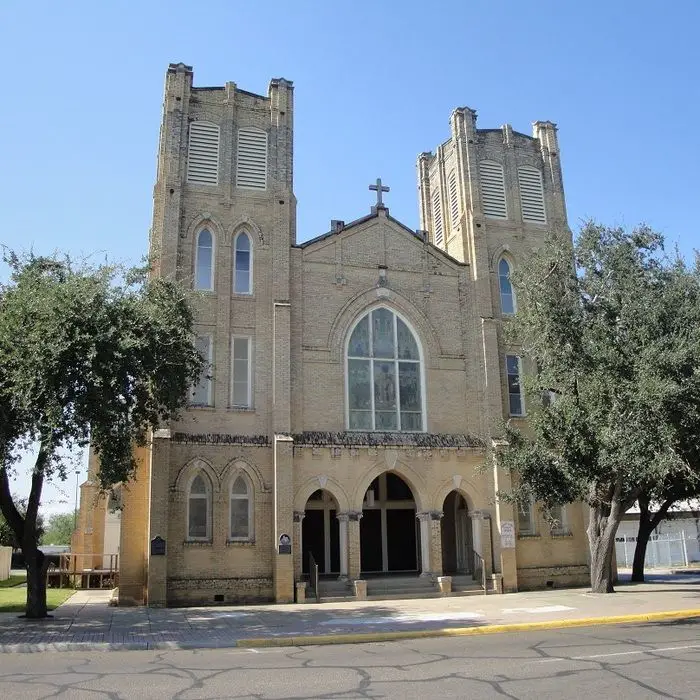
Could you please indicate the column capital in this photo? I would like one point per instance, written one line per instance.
(430, 515)
(298, 516)
(351, 515)
(479, 515)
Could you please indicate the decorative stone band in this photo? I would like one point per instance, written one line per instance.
(348, 438)
(220, 439)
(358, 438)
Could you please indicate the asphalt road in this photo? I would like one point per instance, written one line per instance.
(632, 661)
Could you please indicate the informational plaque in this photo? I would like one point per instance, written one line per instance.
(285, 546)
(157, 546)
(507, 534)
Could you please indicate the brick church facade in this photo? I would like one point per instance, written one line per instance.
(358, 381)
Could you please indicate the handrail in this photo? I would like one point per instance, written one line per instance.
(313, 576)
(480, 569)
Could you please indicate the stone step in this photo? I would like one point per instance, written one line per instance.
(400, 586)
(464, 582)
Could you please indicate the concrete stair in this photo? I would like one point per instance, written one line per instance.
(334, 591)
(396, 587)
(393, 588)
(464, 584)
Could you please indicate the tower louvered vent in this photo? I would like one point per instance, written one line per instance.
(437, 219)
(203, 153)
(454, 199)
(251, 163)
(531, 195)
(493, 191)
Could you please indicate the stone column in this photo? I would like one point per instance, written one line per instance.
(282, 564)
(505, 520)
(133, 536)
(297, 545)
(353, 539)
(425, 544)
(343, 519)
(481, 534)
(159, 479)
(436, 542)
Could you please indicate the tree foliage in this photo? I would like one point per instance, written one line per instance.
(87, 354)
(59, 528)
(611, 332)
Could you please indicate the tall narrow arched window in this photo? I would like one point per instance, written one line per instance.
(241, 510)
(242, 264)
(505, 288)
(199, 508)
(384, 375)
(204, 261)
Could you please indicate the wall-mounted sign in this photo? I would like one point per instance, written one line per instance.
(285, 545)
(507, 534)
(157, 546)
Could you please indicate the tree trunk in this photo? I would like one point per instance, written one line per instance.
(37, 565)
(647, 525)
(601, 565)
(601, 540)
(640, 550)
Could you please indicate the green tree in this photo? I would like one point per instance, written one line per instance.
(605, 328)
(87, 353)
(59, 528)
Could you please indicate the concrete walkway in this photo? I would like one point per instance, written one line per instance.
(86, 622)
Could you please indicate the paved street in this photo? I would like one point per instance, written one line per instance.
(642, 661)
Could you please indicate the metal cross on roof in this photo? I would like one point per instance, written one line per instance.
(379, 188)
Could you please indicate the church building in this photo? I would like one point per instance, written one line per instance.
(358, 382)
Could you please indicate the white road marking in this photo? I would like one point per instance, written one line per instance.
(619, 653)
(429, 617)
(542, 609)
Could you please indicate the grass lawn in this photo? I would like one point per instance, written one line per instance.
(12, 581)
(14, 599)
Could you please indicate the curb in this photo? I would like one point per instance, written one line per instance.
(364, 637)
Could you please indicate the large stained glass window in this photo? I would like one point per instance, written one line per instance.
(384, 375)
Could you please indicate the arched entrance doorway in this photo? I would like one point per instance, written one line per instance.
(456, 535)
(388, 529)
(320, 533)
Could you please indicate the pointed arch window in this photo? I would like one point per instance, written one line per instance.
(241, 526)
(199, 509)
(505, 288)
(204, 261)
(242, 264)
(384, 375)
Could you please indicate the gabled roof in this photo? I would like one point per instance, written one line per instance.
(375, 215)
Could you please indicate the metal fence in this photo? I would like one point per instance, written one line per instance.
(663, 551)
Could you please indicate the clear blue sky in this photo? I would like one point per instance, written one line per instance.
(375, 83)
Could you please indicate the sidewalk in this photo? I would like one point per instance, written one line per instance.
(86, 622)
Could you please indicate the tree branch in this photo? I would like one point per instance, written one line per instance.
(8, 508)
(661, 513)
(45, 450)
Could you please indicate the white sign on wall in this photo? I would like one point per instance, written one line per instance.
(507, 534)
